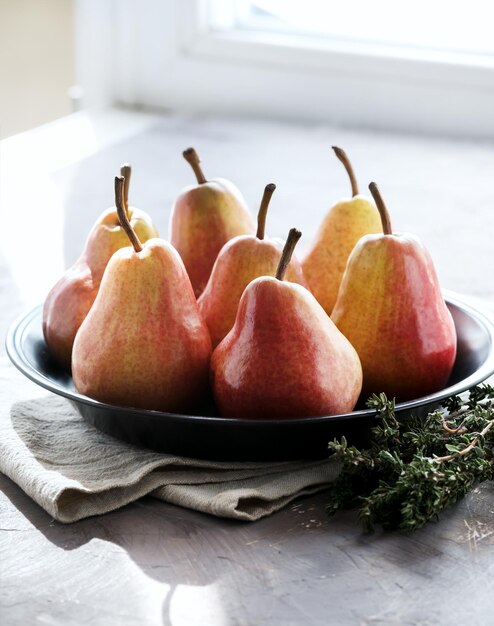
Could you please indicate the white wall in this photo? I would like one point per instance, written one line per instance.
(36, 62)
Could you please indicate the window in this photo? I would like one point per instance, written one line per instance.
(441, 25)
(426, 68)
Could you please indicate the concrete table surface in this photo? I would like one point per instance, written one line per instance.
(154, 563)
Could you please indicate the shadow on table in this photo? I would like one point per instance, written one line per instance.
(275, 560)
(288, 564)
(161, 539)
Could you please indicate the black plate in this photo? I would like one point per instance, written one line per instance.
(211, 437)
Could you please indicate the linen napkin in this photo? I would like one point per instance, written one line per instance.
(74, 471)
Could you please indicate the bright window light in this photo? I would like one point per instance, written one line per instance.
(442, 25)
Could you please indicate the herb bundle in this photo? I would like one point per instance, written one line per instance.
(415, 467)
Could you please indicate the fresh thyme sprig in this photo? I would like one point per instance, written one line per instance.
(416, 467)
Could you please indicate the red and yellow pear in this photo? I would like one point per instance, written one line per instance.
(144, 343)
(71, 298)
(345, 223)
(391, 308)
(205, 216)
(284, 357)
(242, 259)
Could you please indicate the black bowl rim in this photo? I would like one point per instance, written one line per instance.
(483, 316)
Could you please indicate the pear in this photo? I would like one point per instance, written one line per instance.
(143, 344)
(71, 298)
(205, 216)
(345, 223)
(284, 357)
(391, 308)
(242, 259)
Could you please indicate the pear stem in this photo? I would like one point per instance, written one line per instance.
(192, 158)
(381, 207)
(263, 210)
(291, 241)
(122, 215)
(342, 156)
(126, 171)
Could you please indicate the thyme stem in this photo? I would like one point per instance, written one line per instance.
(471, 446)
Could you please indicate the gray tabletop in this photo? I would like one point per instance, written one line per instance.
(154, 563)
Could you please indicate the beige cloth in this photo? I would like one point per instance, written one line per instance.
(73, 471)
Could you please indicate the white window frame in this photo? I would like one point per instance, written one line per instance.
(166, 54)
